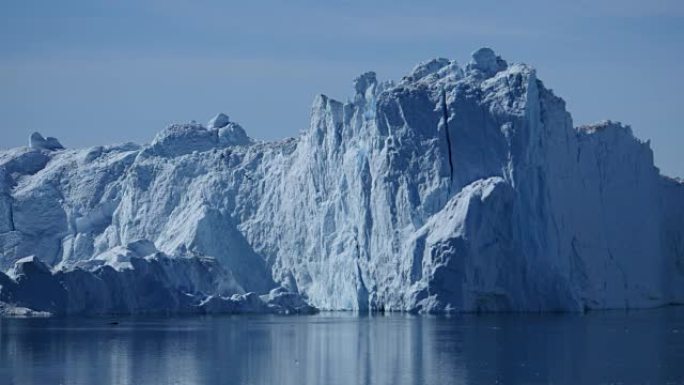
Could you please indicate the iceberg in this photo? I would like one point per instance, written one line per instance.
(455, 189)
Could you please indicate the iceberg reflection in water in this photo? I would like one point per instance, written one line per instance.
(341, 348)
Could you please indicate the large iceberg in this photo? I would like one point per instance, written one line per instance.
(455, 189)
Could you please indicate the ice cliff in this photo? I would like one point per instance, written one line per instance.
(453, 189)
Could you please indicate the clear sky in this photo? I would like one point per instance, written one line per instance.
(94, 72)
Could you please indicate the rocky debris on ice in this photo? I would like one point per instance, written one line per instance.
(457, 189)
(36, 141)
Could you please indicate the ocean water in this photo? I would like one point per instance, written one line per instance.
(612, 347)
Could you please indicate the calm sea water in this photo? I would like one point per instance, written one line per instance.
(604, 347)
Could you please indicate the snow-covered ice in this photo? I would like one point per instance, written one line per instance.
(218, 121)
(453, 189)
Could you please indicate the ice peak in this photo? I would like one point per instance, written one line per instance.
(36, 141)
(605, 125)
(487, 62)
(233, 134)
(180, 139)
(434, 69)
(365, 81)
(428, 68)
(218, 121)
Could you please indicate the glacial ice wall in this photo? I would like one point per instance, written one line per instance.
(453, 189)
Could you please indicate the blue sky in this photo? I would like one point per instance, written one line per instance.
(94, 72)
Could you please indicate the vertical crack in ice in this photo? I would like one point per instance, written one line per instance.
(362, 292)
(11, 218)
(445, 117)
(10, 212)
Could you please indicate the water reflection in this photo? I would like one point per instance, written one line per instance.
(609, 347)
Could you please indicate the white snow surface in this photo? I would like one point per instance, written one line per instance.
(453, 190)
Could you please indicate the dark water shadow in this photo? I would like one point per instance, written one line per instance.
(341, 348)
